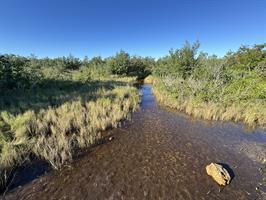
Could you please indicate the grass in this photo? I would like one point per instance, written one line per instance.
(51, 123)
(251, 111)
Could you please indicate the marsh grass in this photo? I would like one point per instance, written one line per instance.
(53, 122)
(250, 111)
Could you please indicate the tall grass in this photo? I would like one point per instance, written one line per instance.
(55, 121)
(251, 111)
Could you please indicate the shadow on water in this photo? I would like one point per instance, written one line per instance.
(229, 170)
(37, 168)
(28, 173)
(25, 174)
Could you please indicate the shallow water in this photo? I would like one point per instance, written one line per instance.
(159, 154)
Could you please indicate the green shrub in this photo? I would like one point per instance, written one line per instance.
(228, 88)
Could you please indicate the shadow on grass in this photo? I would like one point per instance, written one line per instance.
(53, 93)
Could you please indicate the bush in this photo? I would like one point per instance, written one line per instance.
(236, 82)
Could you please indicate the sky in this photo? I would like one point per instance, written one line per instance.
(141, 27)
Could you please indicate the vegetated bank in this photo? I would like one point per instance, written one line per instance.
(49, 108)
(213, 88)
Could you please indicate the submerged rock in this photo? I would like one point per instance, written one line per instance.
(218, 173)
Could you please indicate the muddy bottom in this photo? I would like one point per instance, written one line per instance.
(160, 154)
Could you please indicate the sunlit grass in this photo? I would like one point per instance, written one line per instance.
(54, 126)
(251, 111)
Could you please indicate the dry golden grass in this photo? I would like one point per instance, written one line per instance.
(54, 133)
(252, 114)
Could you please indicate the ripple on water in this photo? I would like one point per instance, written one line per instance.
(160, 154)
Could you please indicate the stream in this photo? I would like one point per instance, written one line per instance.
(159, 154)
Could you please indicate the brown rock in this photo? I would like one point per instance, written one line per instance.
(218, 173)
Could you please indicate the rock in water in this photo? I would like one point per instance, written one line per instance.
(218, 173)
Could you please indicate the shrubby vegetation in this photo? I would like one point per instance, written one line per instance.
(123, 64)
(208, 87)
(18, 72)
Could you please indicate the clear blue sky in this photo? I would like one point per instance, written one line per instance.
(143, 27)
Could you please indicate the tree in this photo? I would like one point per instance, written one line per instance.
(179, 62)
(96, 61)
(246, 58)
(120, 64)
(71, 62)
(13, 73)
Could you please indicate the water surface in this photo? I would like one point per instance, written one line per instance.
(159, 154)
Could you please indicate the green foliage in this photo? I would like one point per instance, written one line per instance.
(140, 67)
(125, 65)
(13, 73)
(179, 62)
(71, 62)
(246, 59)
(191, 81)
(250, 87)
(120, 64)
(18, 72)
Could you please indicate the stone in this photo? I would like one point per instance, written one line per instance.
(218, 173)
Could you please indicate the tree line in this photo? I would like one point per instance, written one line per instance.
(186, 62)
(18, 72)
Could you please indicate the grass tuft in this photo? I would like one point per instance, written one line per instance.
(54, 130)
